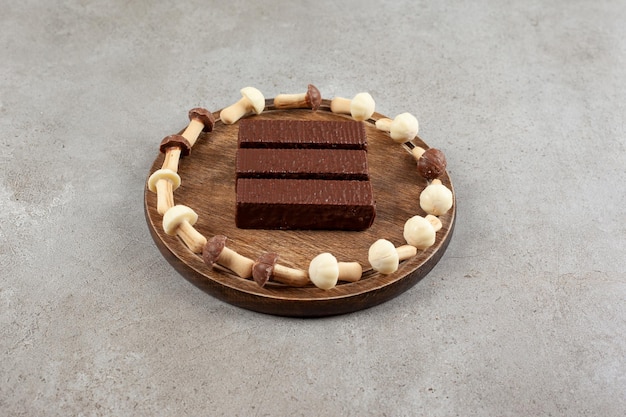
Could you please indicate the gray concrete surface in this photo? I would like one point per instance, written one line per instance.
(524, 316)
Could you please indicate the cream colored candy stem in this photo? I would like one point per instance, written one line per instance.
(165, 196)
(237, 263)
(193, 130)
(350, 271)
(236, 111)
(290, 276)
(192, 238)
(286, 101)
(172, 157)
(434, 220)
(406, 252)
(340, 105)
(417, 152)
(384, 124)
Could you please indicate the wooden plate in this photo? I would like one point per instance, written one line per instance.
(208, 187)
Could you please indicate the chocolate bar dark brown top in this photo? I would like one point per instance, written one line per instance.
(302, 134)
(304, 204)
(340, 164)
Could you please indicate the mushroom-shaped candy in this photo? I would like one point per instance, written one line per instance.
(403, 128)
(325, 271)
(436, 198)
(385, 257)
(421, 231)
(179, 220)
(266, 267)
(200, 120)
(361, 107)
(431, 163)
(312, 99)
(252, 100)
(216, 252)
(163, 182)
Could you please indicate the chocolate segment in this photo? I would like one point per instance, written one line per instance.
(304, 204)
(302, 164)
(302, 134)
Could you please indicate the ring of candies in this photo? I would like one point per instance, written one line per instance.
(324, 271)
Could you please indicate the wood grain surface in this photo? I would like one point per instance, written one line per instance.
(208, 187)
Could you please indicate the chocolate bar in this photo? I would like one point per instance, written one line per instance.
(340, 164)
(302, 134)
(304, 204)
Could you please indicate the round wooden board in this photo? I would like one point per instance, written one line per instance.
(208, 187)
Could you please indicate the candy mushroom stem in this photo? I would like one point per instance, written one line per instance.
(312, 99)
(266, 268)
(216, 252)
(252, 100)
(325, 271)
(361, 107)
(349, 271)
(179, 220)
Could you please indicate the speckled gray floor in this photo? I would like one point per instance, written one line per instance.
(524, 315)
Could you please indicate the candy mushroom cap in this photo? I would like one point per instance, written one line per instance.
(431, 164)
(404, 128)
(383, 256)
(205, 116)
(255, 97)
(175, 215)
(313, 97)
(419, 232)
(176, 141)
(362, 106)
(324, 271)
(436, 198)
(263, 268)
(213, 249)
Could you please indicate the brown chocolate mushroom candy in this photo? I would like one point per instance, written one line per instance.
(213, 249)
(313, 97)
(263, 268)
(204, 116)
(431, 164)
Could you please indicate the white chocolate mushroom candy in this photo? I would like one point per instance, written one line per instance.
(324, 271)
(361, 107)
(383, 256)
(419, 232)
(436, 198)
(252, 100)
(404, 128)
(179, 220)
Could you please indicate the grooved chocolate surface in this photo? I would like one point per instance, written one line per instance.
(304, 204)
(302, 164)
(302, 134)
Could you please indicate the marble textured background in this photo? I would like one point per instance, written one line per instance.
(524, 315)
